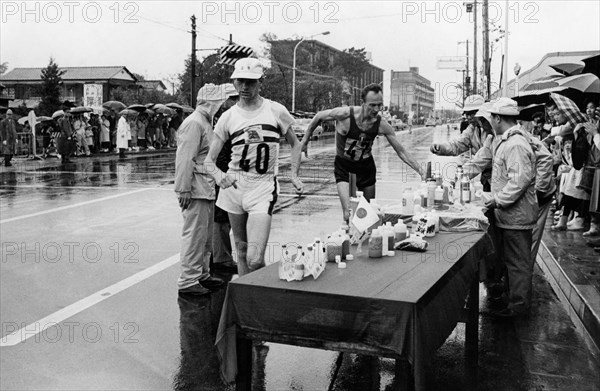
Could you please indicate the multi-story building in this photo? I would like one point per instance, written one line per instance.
(316, 57)
(411, 93)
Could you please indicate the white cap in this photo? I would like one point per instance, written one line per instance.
(211, 92)
(473, 102)
(484, 112)
(247, 68)
(504, 106)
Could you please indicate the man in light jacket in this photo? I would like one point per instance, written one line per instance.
(513, 199)
(544, 175)
(195, 190)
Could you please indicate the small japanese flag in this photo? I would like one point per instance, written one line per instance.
(365, 216)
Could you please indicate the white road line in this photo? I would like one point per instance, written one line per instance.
(51, 320)
(69, 206)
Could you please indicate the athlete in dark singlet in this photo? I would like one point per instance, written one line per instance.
(356, 129)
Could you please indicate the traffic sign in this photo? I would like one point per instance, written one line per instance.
(229, 54)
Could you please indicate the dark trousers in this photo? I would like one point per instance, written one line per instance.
(7, 159)
(514, 248)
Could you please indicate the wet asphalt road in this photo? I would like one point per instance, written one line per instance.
(88, 296)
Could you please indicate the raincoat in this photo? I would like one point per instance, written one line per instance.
(513, 181)
(8, 133)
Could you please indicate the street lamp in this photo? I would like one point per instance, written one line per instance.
(294, 69)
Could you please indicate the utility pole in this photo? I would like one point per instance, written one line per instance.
(486, 48)
(475, 71)
(505, 69)
(468, 79)
(193, 67)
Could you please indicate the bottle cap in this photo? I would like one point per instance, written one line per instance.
(342, 265)
(349, 257)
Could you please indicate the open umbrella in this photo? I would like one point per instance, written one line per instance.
(163, 109)
(542, 83)
(138, 108)
(526, 112)
(23, 120)
(569, 68)
(592, 65)
(81, 110)
(569, 108)
(586, 82)
(127, 112)
(114, 105)
(174, 105)
(149, 105)
(58, 114)
(43, 118)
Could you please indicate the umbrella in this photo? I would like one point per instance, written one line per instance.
(569, 108)
(23, 120)
(586, 82)
(526, 112)
(592, 65)
(542, 83)
(80, 110)
(162, 109)
(569, 68)
(58, 114)
(114, 105)
(188, 109)
(43, 118)
(149, 105)
(138, 108)
(174, 105)
(149, 111)
(127, 112)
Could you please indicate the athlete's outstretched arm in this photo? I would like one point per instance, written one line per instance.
(387, 130)
(291, 138)
(338, 114)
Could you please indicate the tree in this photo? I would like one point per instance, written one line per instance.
(50, 92)
(208, 71)
(131, 96)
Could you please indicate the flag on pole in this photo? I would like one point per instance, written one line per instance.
(365, 215)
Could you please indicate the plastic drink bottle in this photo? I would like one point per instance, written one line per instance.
(465, 190)
(375, 244)
(400, 231)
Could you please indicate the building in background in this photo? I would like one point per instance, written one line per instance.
(5, 97)
(319, 61)
(24, 84)
(411, 94)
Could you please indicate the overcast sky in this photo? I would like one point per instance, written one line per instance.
(152, 37)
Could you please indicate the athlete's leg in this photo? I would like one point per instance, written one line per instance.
(238, 226)
(369, 192)
(257, 231)
(343, 189)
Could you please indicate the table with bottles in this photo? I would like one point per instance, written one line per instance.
(402, 306)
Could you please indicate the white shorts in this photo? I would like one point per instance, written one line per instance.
(250, 197)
